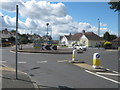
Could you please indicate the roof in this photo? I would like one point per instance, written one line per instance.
(69, 37)
(117, 39)
(77, 36)
(92, 36)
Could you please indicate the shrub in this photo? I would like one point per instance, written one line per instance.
(107, 45)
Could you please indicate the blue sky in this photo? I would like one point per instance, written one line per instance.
(76, 14)
(91, 11)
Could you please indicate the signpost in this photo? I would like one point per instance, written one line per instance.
(49, 42)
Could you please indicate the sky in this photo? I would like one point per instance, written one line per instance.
(63, 17)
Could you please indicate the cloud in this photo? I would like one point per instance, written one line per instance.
(42, 10)
(37, 14)
(101, 24)
(10, 5)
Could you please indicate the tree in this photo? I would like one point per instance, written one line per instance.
(13, 31)
(115, 4)
(23, 39)
(106, 36)
(109, 37)
(112, 37)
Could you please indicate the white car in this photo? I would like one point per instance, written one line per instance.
(80, 47)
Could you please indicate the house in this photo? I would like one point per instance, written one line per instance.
(88, 39)
(5, 34)
(65, 40)
(116, 42)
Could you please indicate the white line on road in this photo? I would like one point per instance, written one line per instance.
(28, 53)
(103, 77)
(110, 70)
(42, 61)
(20, 62)
(108, 74)
(3, 61)
(115, 71)
(62, 61)
(14, 52)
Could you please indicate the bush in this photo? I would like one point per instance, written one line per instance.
(107, 45)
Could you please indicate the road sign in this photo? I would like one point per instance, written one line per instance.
(97, 56)
(49, 42)
(49, 47)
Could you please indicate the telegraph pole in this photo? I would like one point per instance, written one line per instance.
(98, 27)
(16, 41)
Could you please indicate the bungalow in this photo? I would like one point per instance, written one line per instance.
(88, 39)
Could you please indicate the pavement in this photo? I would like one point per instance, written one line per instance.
(9, 80)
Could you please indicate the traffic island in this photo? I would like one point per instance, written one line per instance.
(89, 67)
(59, 51)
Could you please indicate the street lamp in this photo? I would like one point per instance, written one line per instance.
(47, 28)
(98, 27)
(16, 40)
(2, 21)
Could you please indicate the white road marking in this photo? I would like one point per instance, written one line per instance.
(103, 77)
(110, 70)
(62, 61)
(28, 53)
(108, 74)
(42, 61)
(20, 62)
(3, 61)
(14, 52)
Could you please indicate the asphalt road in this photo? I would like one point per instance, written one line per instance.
(51, 70)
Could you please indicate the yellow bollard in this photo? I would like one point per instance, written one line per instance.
(118, 48)
(96, 60)
(75, 55)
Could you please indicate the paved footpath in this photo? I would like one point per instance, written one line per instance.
(9, 80)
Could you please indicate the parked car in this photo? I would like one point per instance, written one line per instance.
(80, 47)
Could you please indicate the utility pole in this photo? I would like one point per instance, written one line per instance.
(118, 27)
(16, 41)
(98, 27)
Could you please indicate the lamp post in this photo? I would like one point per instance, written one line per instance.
(47, 28)
(98, 27)
(16, 41)
(118, 23)
(2, 21)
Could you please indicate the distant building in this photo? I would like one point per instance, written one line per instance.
(116, 42)
(88, 39)
(5, 34)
